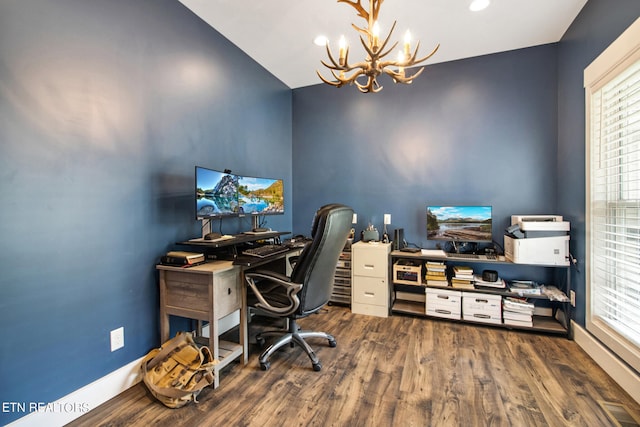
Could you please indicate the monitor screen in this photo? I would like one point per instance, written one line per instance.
(216, 193)
(260, 196)
(459, 223)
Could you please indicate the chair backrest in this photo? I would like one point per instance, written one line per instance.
(316, 265)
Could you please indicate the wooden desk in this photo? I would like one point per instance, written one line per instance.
(206, 292)
(209, 292)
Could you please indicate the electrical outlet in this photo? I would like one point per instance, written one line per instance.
(387, 219)
(572, 296)
(117, 338)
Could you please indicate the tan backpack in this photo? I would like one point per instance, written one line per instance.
(178, 371)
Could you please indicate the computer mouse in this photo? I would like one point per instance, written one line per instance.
(212, 236)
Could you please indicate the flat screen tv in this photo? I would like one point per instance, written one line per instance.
(459, 223)
(260, 196)
(216, 193)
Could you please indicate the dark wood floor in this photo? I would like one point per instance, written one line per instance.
(398, 371)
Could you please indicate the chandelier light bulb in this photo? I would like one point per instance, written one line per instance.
(401, 60)
(376, 35)
(342, 44)
(407, 43)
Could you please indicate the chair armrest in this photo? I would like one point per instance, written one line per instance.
(278, 279)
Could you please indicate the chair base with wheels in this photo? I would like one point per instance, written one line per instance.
(294, 336)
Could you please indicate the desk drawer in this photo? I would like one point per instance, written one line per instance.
(370, 260)
(227, 296)
(370, 290)
(189, 291)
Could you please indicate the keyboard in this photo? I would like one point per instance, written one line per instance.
(471, 256)
(265, 250)
(462, 256)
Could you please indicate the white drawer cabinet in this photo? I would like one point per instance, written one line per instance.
(370, 278)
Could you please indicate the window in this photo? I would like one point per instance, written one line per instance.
(612, 90)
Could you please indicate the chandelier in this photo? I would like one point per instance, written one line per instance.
(374, 63)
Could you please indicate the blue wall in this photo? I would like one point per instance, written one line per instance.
(474, 131)
(599, 23)
(105, 108)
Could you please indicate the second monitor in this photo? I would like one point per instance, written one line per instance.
(459, 223)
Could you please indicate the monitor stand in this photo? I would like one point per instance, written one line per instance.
(206, 226)
(457, 245)
(255, 225)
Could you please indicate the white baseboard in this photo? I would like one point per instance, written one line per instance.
(81, 401)
(626, 377)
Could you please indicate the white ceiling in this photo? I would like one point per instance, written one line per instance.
(279, 34)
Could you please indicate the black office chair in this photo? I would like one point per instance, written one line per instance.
(309, 287)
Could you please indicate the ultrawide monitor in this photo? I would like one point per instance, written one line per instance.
(459, 223)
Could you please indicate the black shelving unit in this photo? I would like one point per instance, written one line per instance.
(410, 299)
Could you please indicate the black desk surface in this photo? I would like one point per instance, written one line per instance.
(245, 261)
(237, 239)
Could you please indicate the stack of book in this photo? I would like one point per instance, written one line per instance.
(462, 277)
(480, 283)
(182, 258)
(517, 311)
(436, 274)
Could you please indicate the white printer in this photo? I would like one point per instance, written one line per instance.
(537, 239)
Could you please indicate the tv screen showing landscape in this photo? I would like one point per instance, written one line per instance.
(260, 196)
(459, 223)
(216, 193)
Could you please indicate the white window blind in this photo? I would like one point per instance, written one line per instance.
(613, 208)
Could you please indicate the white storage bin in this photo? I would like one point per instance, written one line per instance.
(485, 308)
(443, 303)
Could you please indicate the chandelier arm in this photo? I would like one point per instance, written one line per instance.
(382, 55)
(377, 85)
(376, 8)
(348, 80)
(357, 5)
(331, 58)
(385, 64)
(416, 74)
(373, 55)
(409, 79)
(372, 85)
(387, 40)
(346, 67)
(364, 88)
(329, 82)
(399, 78)
(360, 30)
(355, 75)
(413, 60)
(331, 67)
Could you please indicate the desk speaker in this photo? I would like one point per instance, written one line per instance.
(398, 239)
